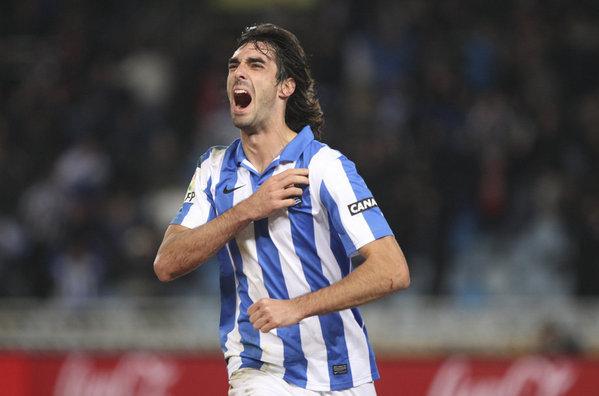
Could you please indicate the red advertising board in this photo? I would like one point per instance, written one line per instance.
(142, 374)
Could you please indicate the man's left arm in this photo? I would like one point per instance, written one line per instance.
(383, 272)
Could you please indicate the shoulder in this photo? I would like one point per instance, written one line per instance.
(324, 160)
(321, 154)
(211, 156)
(211, 162)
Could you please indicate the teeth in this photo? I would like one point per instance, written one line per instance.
(240, 91)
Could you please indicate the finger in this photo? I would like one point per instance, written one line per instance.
(254, 307)
(267, 326)
(292, 171)
(288, 202)
(294, 179)
(298, 182)
(291, 192)
(286, 181)
(296, 171)
(260, 323)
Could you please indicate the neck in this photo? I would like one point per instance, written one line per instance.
(262, 146)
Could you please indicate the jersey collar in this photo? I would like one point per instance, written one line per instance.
(296, 147)
(290, 153)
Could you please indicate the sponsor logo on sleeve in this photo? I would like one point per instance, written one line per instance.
(361, 206)
(190, 194)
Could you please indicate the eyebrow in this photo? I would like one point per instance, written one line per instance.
(235, 60)
(256, 60)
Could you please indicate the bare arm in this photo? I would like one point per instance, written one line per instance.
(383, 272)
(184, 249)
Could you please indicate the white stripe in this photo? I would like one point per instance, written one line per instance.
(216, 159)
(357, 347)
(200, 208)
(315, 351)
(313, 345)
(233, 363)
(341, 191)
(318, 165)
(355, 337)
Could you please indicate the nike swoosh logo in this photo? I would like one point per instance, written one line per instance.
(229, 191)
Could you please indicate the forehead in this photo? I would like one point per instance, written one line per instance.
(255, 49)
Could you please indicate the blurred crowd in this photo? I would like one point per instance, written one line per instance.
(476, 125)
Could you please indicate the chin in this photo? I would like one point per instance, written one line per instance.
(242, 124)
(242, 121)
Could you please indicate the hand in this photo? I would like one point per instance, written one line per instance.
(276, 193)
(268, 314)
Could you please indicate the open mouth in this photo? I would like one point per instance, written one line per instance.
(242, 98)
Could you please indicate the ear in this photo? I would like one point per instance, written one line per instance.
(287, 88)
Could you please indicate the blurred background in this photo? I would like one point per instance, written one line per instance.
(475, 124)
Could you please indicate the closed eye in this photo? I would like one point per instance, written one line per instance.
(233, 63)
(256, 62)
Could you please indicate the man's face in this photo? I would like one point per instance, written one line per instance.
(252, 85)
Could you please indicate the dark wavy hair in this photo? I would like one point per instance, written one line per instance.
(303, 106)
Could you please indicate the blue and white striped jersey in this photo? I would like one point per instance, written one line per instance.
(294, 252)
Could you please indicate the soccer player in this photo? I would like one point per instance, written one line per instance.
(285, 213)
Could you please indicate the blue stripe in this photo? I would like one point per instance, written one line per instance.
(373, 216)
(212, 213)
(304, 242)
(335, 218)
(227, 282)
(294, 361)
(182, 213)
(333, 331)
(338, 249)
(250, 338)
(227, 296)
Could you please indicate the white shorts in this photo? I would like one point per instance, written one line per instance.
(253, 382)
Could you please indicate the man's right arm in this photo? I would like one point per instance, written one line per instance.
(184, 249)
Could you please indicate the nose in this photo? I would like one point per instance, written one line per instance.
(240, 72)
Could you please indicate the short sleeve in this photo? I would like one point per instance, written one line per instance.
(197, 208)
(353, 212)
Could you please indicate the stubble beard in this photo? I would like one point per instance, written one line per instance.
(250, 123)
(244, 124)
